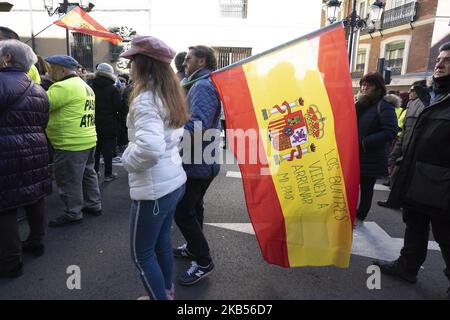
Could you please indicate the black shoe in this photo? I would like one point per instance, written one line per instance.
(182, 252)
(92, 212)
(195, 273)
(110, 178)
(62, 221)
(14, 273)
(394, 268)
(387, 205)
(33, 248)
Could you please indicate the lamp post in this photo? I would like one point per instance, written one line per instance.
(65, 7)
(354, 22)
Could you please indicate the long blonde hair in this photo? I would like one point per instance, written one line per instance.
(159, 77)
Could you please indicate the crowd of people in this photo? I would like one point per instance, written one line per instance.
(57, 121)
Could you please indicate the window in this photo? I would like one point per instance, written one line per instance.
(360, 61)
(399, 3)
(82, 50)
(233, 8)
(362, 10)
(394, 56)
(229, 55)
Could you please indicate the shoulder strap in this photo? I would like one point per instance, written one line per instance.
(21, 98)
(379, 107)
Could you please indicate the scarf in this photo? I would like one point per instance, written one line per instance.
(366, 101)
(441, 85)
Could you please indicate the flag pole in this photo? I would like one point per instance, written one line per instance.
(66, 6)
(40, 32)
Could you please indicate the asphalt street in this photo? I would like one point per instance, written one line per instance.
(100, 247)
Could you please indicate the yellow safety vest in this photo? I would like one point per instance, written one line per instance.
(71, 124)
(34, 74)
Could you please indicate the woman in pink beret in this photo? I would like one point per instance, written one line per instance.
(158, 112)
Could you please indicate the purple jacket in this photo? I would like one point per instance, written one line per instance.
(24, 156)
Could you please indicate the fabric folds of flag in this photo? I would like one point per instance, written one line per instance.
(293, 106)
(78, 20)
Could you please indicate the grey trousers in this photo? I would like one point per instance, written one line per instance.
(77, 181)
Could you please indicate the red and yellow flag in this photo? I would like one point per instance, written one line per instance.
(78, 20)
(302, 193)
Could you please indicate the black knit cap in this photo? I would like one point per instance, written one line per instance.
(376, 79)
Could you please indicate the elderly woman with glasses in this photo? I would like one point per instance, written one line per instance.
(24, 157)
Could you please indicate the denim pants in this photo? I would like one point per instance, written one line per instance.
(151, 245)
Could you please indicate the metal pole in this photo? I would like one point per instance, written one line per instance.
(33, 41)
(67, 42)
(352, 30)
(66, 6)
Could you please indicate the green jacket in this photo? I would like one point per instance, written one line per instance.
(71, 125)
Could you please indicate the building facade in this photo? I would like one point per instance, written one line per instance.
(407, 38)
(235, 28)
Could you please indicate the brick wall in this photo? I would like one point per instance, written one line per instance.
(419, 52)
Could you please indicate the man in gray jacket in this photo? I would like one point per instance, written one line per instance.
(418, 99)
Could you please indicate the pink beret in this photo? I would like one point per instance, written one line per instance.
(150, 46)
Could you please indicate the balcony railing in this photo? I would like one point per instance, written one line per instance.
(400, 15)
(359, 70)
(394, 17)
(395, 65)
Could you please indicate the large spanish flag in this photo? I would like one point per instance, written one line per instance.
(302, 192)
(78, 20)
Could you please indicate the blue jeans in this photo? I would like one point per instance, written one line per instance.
(151, 245)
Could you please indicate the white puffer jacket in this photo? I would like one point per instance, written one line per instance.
(152, 160)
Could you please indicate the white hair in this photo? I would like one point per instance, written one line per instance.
(22, 55)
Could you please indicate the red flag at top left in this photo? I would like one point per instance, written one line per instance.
(79, 21)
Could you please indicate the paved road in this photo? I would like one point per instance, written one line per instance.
(100, 247)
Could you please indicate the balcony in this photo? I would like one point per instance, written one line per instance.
(395, 65)
(394, 17)
(400, 15)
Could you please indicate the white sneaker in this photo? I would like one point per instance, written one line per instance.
(144, 298)
(117, 160)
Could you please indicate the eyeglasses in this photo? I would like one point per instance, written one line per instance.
(411, 90)
(445, 60)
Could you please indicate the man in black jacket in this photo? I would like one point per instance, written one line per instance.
(422, 186)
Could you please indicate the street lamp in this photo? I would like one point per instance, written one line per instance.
(354, 21)
(333, 10)
(64, 6)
